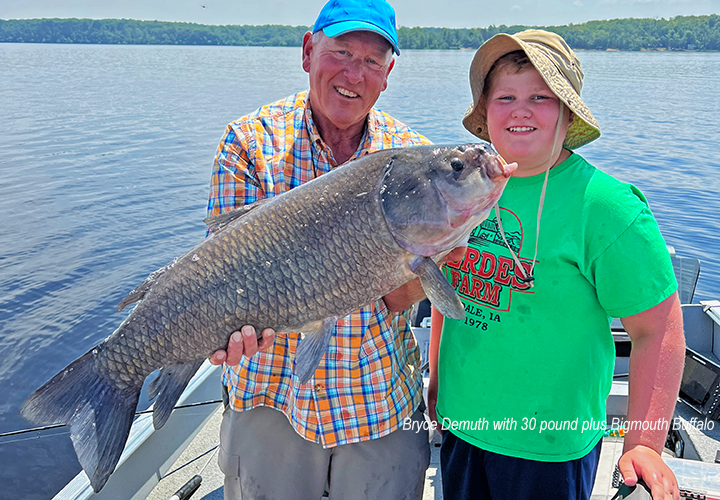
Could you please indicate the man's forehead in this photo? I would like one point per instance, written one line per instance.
(379, 43)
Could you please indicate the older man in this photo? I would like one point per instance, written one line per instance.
(342, 431)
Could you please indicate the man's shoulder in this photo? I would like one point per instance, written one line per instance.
(283, 109)
(395, 130)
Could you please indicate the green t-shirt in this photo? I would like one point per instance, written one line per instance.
(528, 371)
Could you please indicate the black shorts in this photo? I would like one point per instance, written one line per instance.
(471, 473)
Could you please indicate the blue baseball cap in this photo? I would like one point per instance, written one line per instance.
(343, 16)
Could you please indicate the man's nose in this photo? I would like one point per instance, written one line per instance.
(354, 70)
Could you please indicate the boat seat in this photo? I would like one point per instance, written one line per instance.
(687, 271)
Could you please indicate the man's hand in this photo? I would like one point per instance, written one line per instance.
(456, 254)
(402, 298)
(643, 462)
(241, 343)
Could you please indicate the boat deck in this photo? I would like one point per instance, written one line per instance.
(201, 453)
(167, 461)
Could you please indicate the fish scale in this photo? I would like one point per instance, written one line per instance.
(328, 266)
(299, 261)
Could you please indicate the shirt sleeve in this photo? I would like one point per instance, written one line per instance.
(234, 181)
(635, 272)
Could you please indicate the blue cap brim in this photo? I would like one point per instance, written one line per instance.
(343, 27)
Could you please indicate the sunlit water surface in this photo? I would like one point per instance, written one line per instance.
(105, 160)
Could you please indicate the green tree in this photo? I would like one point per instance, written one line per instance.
(702, 32)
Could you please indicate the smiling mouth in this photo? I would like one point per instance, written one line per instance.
(346, 92)
(521, 129)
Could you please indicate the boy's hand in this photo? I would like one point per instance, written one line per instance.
(241, 343)
(431, 404)
(643, 462)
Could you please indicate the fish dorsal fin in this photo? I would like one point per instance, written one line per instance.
(139, 292)
(380, 151)
(216, 223)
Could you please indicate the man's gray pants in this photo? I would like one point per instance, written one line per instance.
(263, 457)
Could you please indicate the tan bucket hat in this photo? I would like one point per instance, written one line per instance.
(556, 63)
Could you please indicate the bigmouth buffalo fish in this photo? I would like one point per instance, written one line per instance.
(297, 263)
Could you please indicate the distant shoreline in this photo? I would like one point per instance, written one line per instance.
(680, 33)
(298, 46)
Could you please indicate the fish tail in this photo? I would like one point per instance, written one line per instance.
(98, 413)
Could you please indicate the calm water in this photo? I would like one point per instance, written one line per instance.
(105, 160)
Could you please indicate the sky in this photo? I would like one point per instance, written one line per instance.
(438, 13)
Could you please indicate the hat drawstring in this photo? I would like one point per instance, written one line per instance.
(528, 277)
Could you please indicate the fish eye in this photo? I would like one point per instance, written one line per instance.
(457, 165)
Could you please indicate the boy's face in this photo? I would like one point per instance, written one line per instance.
(522, 114)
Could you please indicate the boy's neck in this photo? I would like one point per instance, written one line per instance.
(525, 170)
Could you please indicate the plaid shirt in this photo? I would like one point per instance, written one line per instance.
(369, 379)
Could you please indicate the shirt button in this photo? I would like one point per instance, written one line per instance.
(319, 387)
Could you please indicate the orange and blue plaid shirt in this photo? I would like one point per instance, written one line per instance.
(369, 379)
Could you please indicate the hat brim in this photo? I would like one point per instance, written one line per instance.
(583, 129)
(343, 27)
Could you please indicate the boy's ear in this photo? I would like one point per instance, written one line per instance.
(572, 117)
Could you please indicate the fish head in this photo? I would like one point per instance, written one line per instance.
(433, 196)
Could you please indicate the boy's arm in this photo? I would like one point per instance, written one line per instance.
(656, 366)
(436, 323)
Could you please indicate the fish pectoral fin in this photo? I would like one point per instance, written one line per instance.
(438, 290)
(312, 347)
(168, 387)
(216, 223)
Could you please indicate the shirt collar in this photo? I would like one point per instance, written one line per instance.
(318, 144)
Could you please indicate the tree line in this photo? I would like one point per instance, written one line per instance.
(677, 33)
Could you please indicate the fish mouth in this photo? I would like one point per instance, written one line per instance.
(462, 216)
(346, 93)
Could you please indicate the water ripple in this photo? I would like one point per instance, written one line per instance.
(106, 153)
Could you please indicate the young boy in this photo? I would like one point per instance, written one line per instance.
(520, 385)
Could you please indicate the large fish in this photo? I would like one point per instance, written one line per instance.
(296, 262)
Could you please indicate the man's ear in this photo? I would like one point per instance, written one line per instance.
(307, 47)
(390, 67)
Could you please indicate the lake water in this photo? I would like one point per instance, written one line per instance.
(105, 161)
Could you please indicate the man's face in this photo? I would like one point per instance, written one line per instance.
(347, 74)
